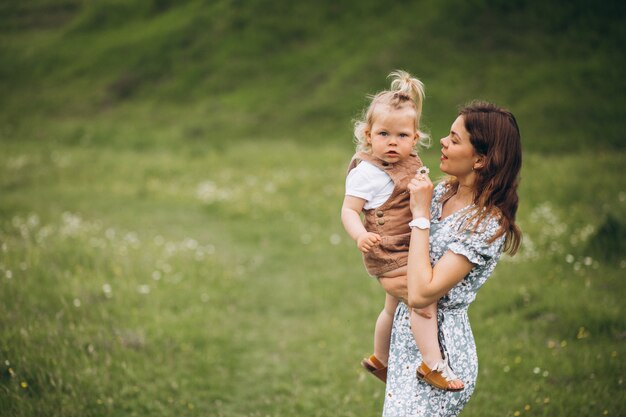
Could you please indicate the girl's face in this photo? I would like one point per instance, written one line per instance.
(393, 134)
(458, 156)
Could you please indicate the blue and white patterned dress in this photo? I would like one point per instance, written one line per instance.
(406, 395)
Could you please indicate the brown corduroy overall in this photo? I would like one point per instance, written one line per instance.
(390, 220)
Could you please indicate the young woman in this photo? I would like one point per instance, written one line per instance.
(462, 227)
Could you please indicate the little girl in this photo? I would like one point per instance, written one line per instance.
(376, 185)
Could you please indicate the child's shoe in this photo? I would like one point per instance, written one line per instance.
(375, 367)
(440, 377)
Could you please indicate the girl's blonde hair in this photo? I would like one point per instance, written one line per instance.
(405, 90)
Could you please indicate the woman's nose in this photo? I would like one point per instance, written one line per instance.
(442, 141)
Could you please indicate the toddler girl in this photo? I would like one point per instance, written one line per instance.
(376, 186)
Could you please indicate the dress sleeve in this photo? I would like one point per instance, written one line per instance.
(476, 245)
(435, 204)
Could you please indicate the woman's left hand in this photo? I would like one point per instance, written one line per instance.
(421, 190)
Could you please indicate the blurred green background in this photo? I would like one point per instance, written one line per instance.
(171, 176)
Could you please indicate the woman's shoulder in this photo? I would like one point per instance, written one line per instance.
(482, 219)
(484, 228)
(493, 218)
(477, 239)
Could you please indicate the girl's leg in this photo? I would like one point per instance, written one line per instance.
(382, 332)
(425, 332)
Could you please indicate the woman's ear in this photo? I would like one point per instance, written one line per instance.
(479, 163)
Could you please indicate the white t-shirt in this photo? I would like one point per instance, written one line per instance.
(370, 183)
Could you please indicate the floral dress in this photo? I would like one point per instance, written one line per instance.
(406, 395)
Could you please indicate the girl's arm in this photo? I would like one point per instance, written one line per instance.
(351, 219)
(426, 284)
(350, 216)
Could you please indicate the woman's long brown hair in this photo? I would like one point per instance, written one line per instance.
(495, 135)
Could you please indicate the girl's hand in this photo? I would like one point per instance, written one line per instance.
(421, 190)
(367, 240)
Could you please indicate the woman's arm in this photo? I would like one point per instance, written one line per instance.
(426, 284)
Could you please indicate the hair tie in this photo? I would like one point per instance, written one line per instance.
(401, 96)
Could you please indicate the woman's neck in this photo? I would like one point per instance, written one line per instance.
(465, 192)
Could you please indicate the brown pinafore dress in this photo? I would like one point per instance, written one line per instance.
(391, 219)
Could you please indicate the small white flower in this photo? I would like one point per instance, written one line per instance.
(423, 170)
(270, 188)
(191, 244)
(106, 288)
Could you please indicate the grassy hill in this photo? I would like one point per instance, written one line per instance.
(202, 70)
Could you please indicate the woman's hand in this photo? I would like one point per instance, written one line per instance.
(421, 190)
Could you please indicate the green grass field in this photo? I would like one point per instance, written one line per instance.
(171, 177)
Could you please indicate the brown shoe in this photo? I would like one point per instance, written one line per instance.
(375, 367)
(439, 377)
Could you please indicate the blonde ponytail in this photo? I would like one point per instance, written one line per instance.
(404, 83)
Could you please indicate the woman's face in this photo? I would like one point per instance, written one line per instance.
(458, 156)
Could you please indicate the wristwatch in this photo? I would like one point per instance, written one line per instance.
(420, 223)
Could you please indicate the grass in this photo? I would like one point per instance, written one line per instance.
(171, 176)
(155, 283)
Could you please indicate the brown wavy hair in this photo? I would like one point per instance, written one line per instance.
(495, 135)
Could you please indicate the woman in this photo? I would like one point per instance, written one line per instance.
(458, 233)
